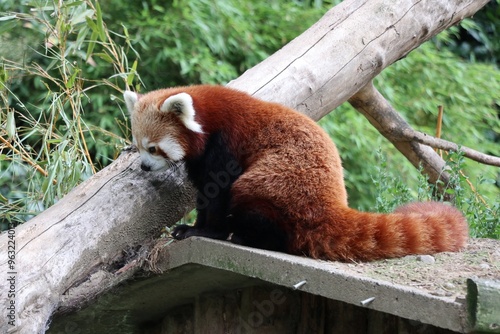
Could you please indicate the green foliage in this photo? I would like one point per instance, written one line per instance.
(206, 41)
(483, 218)
(63, 64)
(391, 191)
(429, 77)
(477, 39)
(47, 145)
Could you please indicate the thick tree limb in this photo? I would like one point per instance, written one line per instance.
(347, 48)
(88, 235)
(391, 125)
(81, 241)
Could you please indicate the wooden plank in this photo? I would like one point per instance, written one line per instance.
(312, 314)
(178, 321)
(198, 267)
(483, 305)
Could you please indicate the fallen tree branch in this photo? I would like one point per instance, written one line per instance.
(442, 144)
(380, 113)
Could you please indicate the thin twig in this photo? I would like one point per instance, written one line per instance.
(412, 135)
(25, 158)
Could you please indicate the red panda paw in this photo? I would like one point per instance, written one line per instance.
(186, 231)
(181, 232)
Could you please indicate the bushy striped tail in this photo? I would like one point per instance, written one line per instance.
(415, 228)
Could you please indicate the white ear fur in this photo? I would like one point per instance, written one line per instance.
(182, 104)
(130, 100)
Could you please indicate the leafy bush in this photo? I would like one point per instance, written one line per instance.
(49, 146)
(63, 64)
(477, 40)
(391, 192)
(206, 41)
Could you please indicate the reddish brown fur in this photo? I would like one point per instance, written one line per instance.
(293, 175)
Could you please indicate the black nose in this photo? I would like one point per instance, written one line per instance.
(145, 168)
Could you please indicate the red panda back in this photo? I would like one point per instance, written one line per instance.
(295, 177)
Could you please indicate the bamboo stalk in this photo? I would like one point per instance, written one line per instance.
(439, 127)
(26, 158)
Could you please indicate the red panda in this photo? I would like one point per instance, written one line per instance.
(270, 177)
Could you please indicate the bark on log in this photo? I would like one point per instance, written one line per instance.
(86, 235)
(347, 48)
(90, 230)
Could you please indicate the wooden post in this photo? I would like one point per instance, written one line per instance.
(483, 304)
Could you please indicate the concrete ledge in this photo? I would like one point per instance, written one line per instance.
(195, 266)
(328, 279)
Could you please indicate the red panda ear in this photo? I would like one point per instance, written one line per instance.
(182, 105)
(131, 99)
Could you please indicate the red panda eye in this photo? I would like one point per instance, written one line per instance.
(152, 150)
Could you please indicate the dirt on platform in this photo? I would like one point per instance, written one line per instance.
(442, 274)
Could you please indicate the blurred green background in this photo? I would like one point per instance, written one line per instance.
(64, 64)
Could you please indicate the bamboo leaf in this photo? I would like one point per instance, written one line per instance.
(73, 4)
(71, 80)
(131, 75)
(104, 56)
(91, 24)
(7, 23)
(4, 75)
(7, 18)
(82, 17)
(91, 46)
(100, 23)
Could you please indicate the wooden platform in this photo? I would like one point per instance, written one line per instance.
(199, 275)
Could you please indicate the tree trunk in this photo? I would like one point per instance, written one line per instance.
(92, 237)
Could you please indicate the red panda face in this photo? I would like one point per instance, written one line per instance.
(157, 127)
